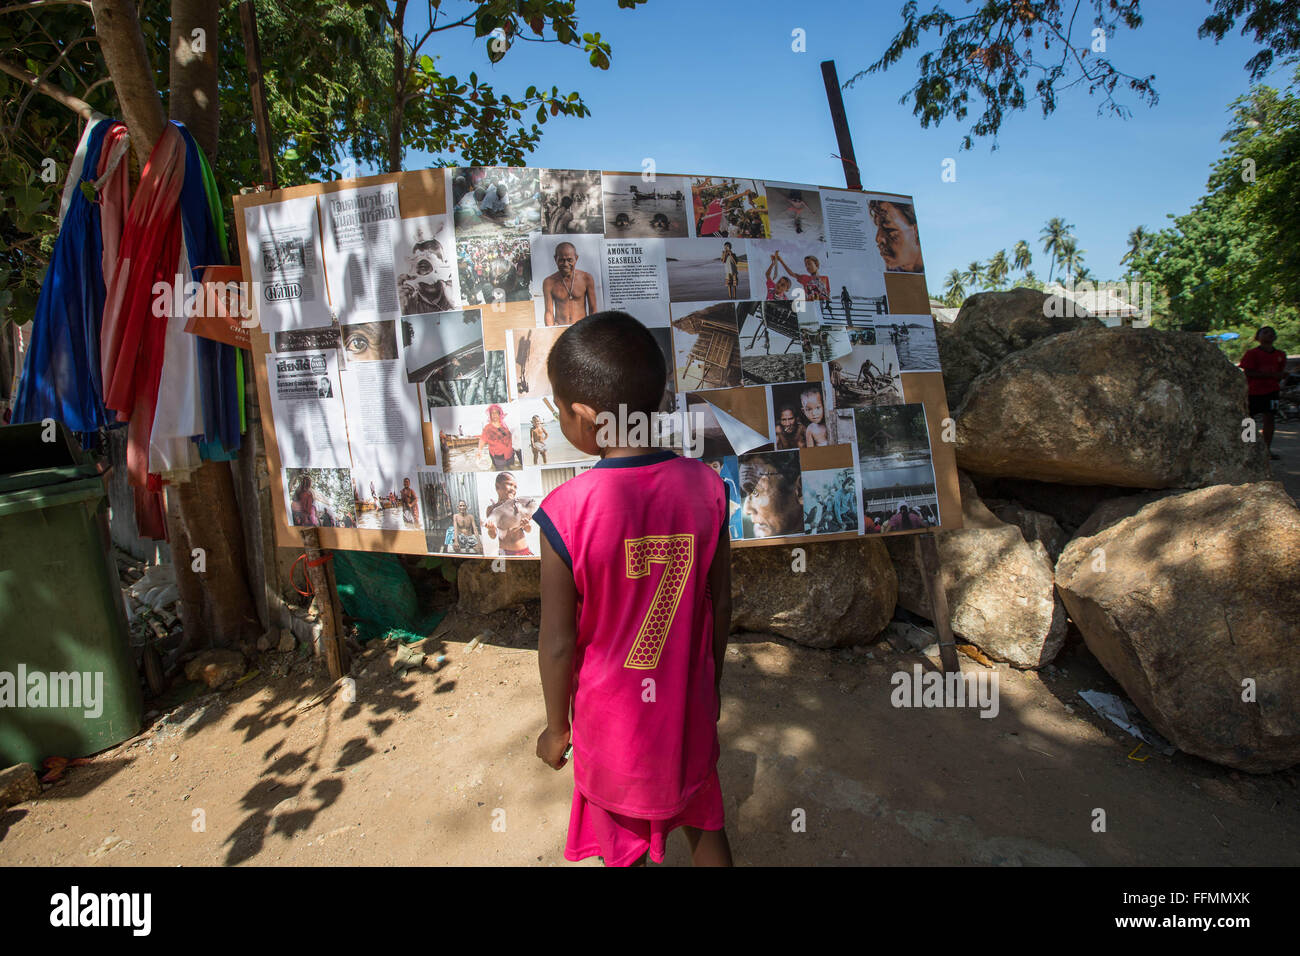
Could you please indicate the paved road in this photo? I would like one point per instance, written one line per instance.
(1286, 442)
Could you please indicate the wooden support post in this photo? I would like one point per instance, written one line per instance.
(852, 176)
(320, 572)
(926, 548)
(936, 583)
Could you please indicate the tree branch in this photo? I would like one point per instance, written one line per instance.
(20, 7)
(74, 103)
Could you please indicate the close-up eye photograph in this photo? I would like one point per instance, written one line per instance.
(429, 439)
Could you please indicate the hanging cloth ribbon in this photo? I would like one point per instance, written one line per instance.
(61, 374)
(133, 337)
(205, 244)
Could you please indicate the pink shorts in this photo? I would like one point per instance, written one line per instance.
(621, 840)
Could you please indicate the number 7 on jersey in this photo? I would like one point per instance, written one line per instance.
(677, 553)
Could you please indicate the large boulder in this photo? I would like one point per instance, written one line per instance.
(835, 594)
(999, 586)
(993, 325)
(1137, 408)
(1192, 601)
(1033, 525)
(483, 590)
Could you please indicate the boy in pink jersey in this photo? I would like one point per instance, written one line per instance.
(636, 606)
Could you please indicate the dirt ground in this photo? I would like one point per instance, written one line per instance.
(437, 767)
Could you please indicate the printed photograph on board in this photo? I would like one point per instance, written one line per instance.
(895, 468)
(771, 489)
(451, 513)
(541, 440)
(913, 338)
(509, 498)
(897, 238)
(700, 270)
(728, 469)
(445, 356)
(495, 270)
(320, 497)
(858, 295)
(735, 208)
(801, 416)
(864, 376)
(369, 341)
(495, 201)
(646, 207)
(787, 270)
(477, 437)
(526, 353)
(567, 277)
(571, 202)
(794, 212)
(425, 259)
(771, 349)
(830, 501)
(386, 508)
(707, 346)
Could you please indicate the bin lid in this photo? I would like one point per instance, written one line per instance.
(28, 461)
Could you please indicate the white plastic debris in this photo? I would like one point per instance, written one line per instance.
(1118, 712)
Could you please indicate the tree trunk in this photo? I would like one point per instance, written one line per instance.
(118, 28)
(399, 88)
(209, 510)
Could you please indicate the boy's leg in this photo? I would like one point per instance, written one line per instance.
(708, 847)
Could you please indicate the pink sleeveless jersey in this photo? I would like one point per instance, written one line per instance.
(639, 534)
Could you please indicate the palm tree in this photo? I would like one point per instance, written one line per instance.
(1082, 274)
(974, 273)
(1053, 235)
(1023, 257)
(997, 269)
(1071, 255)
(954, 293)
(1139, 242)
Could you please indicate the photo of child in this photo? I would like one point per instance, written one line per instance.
(700, 270)
(794, 212)
(801, 419)
(511, 500)
(791, 270)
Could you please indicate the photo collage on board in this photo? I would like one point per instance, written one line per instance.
(409, 377)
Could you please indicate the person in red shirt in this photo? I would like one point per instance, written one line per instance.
(1265, 367)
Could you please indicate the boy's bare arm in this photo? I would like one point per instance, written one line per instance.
(720, 588)
(555, 646)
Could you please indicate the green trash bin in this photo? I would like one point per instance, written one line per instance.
(68, 680)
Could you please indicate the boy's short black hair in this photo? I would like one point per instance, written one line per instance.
(606, 360)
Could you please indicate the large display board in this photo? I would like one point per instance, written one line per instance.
(404, 320)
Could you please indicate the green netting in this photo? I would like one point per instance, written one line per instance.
(376, 590)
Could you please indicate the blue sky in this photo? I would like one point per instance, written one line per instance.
(714, 88)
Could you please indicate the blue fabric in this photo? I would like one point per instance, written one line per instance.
(61, 374)
(218, 387)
